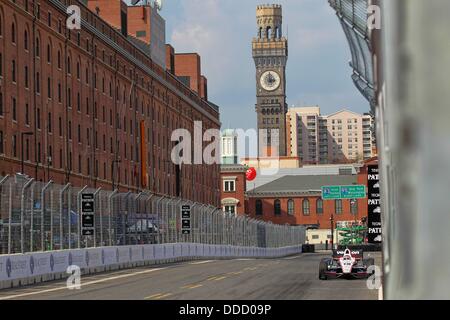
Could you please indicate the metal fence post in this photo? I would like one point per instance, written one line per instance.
(22, 208)
(79, 214)
(110, 209)
(147, 214)
(43, 212)
(95, 229)
(61, 231)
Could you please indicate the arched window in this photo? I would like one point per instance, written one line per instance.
(268, 32)
(277, 33)
(277, 207)
(291, 207)
(68, 65)
(305, 206)
(319, 206)
(354, 206)
(38, 47)
(59, 59)
(78, 70)
(49, 54)
(25, 40)
(13, 32)
(338, 206)
(260, 32)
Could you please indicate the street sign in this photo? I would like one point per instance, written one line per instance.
(343, 192)
(373, 205)
(185, 219)
(87, 214)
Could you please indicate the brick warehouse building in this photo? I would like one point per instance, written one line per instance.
(100, 112)
(296, 200)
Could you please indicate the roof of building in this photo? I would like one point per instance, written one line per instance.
(304, 184)
(331, 169)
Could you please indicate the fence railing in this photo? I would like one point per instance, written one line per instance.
(44, 216)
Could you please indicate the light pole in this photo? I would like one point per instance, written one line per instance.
(332, 231)
(29, 133)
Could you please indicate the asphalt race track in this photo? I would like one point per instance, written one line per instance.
(290, 278)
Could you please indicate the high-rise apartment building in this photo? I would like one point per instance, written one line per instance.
(341, 137)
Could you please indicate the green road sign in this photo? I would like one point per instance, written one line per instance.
(343, 192)
(331, 192)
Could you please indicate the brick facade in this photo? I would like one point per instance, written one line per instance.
(234, 197)
(83, 94)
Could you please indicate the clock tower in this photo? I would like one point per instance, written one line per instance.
(270, 52)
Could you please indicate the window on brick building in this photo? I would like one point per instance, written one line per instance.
(14, 146)
(14, 109)
(25, 40)
(38, 48)
(78, 70)
(306, 207)
(49, 88)
(338, 206)
(49, 19)
(277, 207)
(13, 70)
(38, 82)
(79, 134)
(319, 206)
(1, 143)
(38, 118)
(229, 186)
(13, 32)
(26, 76)
(354, 206)
(59, 59)
(1, 104)
(49, 53)
(69, 68)
(50, 155)
(1, 65)
(49, 122)
(27, 114)
(291, 207)
(230, 209)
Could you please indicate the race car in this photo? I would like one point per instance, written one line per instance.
(345, 264)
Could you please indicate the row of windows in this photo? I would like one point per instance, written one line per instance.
(306, 208)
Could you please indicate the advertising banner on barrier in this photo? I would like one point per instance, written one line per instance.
(94, 258)
(13, 267)
(39, 264)
(193, 249)
(149, 252)
(137, 253)
(77, 257)
(177, 250)
(59, 261)
(159, 252)
(123, 254)
(168, 251)
(109, 256)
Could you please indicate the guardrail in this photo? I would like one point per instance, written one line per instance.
(30, 268)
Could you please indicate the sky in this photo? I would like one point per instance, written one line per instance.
(221, 31)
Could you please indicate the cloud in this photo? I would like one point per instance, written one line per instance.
(221, 31)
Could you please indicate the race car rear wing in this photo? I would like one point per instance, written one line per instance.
(357, 254)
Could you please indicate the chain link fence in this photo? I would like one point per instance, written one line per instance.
(37, 216)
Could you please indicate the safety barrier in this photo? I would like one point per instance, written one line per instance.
(30, 268)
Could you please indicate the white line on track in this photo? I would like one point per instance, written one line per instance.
(201, 262)
(82, 284)
(292, 258)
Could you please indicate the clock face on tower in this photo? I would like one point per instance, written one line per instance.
(270, 80)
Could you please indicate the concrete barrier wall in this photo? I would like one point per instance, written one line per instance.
(30, 268)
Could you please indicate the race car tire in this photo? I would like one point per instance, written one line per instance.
(322, 268)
